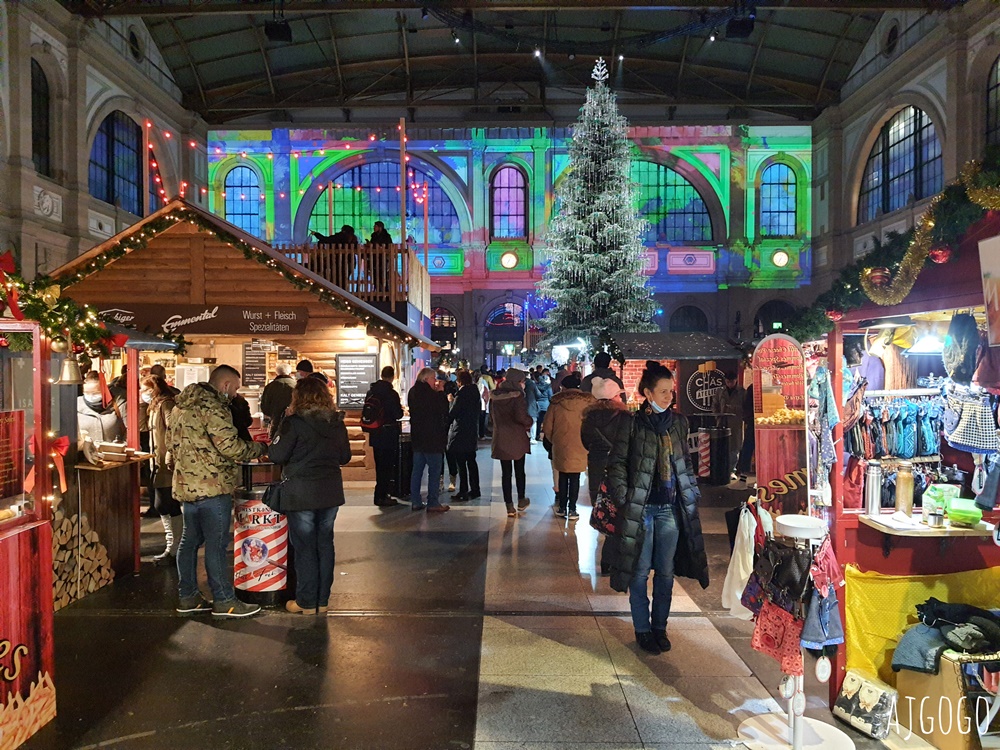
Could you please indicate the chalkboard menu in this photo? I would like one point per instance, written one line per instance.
(284, 353)
(254, 366)
(355, 373)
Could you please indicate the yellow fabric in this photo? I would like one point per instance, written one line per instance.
(880, 607)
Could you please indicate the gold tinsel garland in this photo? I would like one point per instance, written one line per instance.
(987, 197)
(909, 268)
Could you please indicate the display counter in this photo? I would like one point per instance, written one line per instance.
(108, 496)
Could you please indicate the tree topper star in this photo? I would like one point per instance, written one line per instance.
(600, 73)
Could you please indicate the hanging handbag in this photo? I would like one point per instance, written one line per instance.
(854, 482)
(790, 567)
(777, 634)
(867, 704)
(272, 496)
(976, 431)
(604, 514)
(753, 596)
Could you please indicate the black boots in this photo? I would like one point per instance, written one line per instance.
(653, 643)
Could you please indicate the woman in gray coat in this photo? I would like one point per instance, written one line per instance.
(511, 423)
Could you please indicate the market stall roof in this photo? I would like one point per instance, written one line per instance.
(697, 346)
(179, 210)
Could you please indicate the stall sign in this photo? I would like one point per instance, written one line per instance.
(11, 454)
(254, 366)
(778, 363)
(702, 387)
(355, 374)
(214, 319)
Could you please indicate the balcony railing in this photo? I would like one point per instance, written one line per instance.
(389, 274)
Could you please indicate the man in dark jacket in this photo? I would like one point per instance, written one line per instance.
(602, 369)
(429, 438)
(384, 440)
(276, 397)
(379, 235)
(463, 437)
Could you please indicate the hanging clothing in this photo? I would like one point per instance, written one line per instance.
(740, 566)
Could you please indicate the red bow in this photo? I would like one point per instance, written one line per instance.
(7, 262)
(12, 296)
(60, 447)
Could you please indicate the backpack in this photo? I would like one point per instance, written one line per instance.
(372, 413)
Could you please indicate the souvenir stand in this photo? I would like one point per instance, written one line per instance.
(785, 545)
(27, 692)
(872, 526)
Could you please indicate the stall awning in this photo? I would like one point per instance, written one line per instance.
(690, 346)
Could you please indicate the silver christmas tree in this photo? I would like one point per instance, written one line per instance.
(595, 238)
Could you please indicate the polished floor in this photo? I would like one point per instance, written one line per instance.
(460, 630)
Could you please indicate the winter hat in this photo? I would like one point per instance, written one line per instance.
(304, 366)
(602, 359)
(604, 388)
(515, 377)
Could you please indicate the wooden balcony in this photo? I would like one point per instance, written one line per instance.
(379, 274)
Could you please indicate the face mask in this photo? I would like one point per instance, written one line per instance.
(147, 398)
(94, 401)
(656, 407)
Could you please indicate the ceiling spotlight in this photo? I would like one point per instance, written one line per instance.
(424, 13)
(572, 56)
(278, 30)
(711, 37)
(454, 36)
(538, 52)
(621, 57)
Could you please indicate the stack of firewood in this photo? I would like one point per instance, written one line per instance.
(80, 563)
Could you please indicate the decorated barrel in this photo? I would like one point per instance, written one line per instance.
(260, 549)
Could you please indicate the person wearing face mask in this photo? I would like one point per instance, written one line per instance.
(303, 369)
(651, 481)
(94, 419)
(207, 451)
(159, 400)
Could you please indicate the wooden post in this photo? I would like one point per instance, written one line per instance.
(402, 181)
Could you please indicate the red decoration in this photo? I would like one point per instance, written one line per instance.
(941, 254)
(834, 315)
(4, 343)
(7, 263)
(879, 275)
(79, 348)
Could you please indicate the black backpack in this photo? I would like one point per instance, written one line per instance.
(372, 413)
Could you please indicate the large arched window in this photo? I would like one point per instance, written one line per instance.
(508, 204)
(778, 208)
(688, 319)
(993, 105)
(243, 200)
(115, 167)
(41, 127)
(672, 206)
(157, 192)
(369, 192)
(904, 165)
(772, 317)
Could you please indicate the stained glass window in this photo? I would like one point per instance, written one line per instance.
(904, 165)
(508, 204)
(367, 193)
(506, 315)
(672, 205)
(115, 172)
(993, 105)
(777, 202)
(41, 132)
(157, 193)
(243, 201)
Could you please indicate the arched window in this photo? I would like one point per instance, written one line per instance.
(778, 212)
(672, 205)
(115, 167)
(904, 165)
(509, 314)
(41, 131)
(993, 105)
(688, 319)
(243, 200)
(508, 204)
(157, 192)
(772, 318)
(368, 193)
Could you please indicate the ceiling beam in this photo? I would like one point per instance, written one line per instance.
(401, 20)
(336, 59)
(832, 59)
(190, 61)
(756, 52)
(258, 34)
(147, 8)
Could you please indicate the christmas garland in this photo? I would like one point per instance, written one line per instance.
(154, 227)
(886, 275)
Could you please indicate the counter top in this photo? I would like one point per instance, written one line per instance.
(109, 465)
(982, 529)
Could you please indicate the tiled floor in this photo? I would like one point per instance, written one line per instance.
(466, 629)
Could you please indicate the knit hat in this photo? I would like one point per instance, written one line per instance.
(604, 388)
(304, 366)
(516, 377)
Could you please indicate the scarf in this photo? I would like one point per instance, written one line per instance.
(660, 423)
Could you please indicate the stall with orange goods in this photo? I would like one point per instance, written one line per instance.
(901, 350)
(27, 691)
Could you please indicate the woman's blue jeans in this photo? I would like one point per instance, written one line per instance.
(311, 532)
(659, 544)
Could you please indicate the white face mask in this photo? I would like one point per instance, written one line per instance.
(656, 407)
(94, 400)
(147, 398)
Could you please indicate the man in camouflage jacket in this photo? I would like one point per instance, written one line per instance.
(206, 451)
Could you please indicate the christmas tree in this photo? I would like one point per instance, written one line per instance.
(595, 239)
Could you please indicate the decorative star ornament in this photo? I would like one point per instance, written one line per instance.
(600, 73)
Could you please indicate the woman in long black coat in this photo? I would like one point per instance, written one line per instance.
(312, 445)
(463, 437)
(650, 479)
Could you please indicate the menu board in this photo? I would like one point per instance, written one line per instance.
(287, 354)
(11, 454)
(355, 374)
(254, 366)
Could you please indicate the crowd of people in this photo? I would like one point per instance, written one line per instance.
(199, 437)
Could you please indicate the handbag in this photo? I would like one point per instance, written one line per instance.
(777, 634)
(854, 482)
(604, 514)
(272, 496)
(790, 567)
(753, 596)
(866, 704)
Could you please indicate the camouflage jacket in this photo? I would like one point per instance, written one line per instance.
(205, 446)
